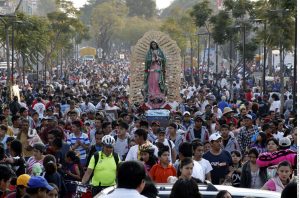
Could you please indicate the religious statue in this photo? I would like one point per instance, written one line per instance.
(154, 77)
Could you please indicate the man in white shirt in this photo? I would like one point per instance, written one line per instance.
(130, 180)
(185, 150)
(140, 137)
(162, 139)
(40, 108)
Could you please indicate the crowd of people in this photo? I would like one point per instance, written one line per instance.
(82, 128)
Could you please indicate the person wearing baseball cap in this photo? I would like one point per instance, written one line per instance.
(38, 187)
(198, 131)
(22, 184)
(163, 140)
(248, 133)
(153, 132)
(219, 159)
(187, 121)
(284, 143)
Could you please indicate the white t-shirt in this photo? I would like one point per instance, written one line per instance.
(133, 152)
(279, 135)
(40, 108)
(275, 105)
(198, 171)
(205, 165)
(121, 146)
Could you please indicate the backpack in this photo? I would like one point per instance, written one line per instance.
(96, 157)
(128, 143)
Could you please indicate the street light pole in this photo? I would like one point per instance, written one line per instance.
(295, 70)
(37, 68)
(216, 63)
(198, 58)
(12, 54)
(265, 58)
(230, 68)
(244, 58)
(208, 56)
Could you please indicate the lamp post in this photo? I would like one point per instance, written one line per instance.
(199, 34)
(198, 57)
(244, 58)
(265, 53)
(295, 70)
(208, 56)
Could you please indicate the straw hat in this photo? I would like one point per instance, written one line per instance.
(227, 110)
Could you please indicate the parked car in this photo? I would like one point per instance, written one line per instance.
(209, 191)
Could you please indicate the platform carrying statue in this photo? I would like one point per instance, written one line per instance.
(155, 71)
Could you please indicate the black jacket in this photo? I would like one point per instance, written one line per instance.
(246, 175)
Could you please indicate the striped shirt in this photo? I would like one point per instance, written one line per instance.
(30, 162)
(84, 139)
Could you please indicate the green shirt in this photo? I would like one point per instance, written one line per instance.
(105, 171)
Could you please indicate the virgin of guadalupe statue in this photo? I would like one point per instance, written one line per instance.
(154, 77)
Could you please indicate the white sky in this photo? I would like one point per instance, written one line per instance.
(160, 4)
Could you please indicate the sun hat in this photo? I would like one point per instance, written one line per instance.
(227, 110)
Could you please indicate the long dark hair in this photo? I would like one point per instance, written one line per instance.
(185, 188)
(151, 44)
(183, 163)
(75, 159)
(222, 193)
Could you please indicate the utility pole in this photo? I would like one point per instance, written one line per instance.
(230, 68)
(216, 63)
(208, 56)
(295, 71)
(12, 54)
(198, 57)
(265, 58)
(244, 58)
(192, 67)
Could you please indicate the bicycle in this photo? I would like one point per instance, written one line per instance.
(82, 190)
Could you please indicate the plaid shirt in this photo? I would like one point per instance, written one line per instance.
(244, 137)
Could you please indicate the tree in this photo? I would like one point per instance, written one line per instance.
(45, 7)
(141, 8)
(279, 17)
(201, 13)
(106, 19)
(134, 28)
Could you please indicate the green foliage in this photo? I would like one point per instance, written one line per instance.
(280, 19)
(141, 8)
(181, 28)
(239, 8)
(45, 7)
(251, 47)
(134, 29)
(107, 19)
(222, 29)
(201, 13)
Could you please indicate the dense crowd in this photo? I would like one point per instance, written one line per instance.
(82, 127)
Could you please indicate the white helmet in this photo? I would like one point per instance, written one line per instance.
(108, 140)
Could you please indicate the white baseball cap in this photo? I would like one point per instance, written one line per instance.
(214, 137)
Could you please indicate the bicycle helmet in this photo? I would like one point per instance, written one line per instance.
(108, 140)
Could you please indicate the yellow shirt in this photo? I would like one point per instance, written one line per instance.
(105, 171)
